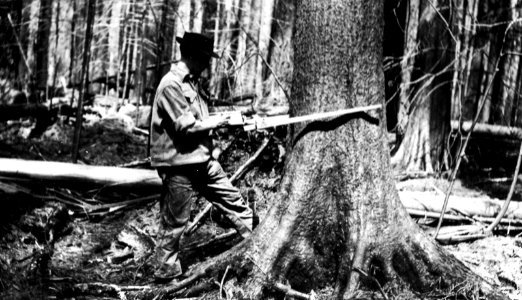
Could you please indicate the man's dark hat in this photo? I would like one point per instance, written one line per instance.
(196, 42)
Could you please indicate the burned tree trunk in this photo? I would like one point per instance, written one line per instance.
(339, 213)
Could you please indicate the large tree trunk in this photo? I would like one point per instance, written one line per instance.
(423, 146)
(164, 37)
(339, 211)
(509, 68)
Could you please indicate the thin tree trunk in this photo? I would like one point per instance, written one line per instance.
(484, 79)
(139, 83)
(458, 63)
(517, 112)
(280, 52)
(84, 79)
(182, 25)
(42, 45)
(31, 19)
(56, 57)
(122, 50)
(20, 49)
(16, 25)
(196, 15)
(253, 50)
(470, 29)
(407, 64)
(243, 19)
(265, 28)
(511, 52)
(129, 47)
(72, 52)
(114, 38)
(224, 43)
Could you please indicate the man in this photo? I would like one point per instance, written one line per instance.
(181, 149)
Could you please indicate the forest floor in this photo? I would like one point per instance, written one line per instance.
(52, 250)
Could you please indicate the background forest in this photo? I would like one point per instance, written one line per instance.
(77, 78)
(444, 60)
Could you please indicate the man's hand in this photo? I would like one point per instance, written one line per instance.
(209, 123)
(218, 121)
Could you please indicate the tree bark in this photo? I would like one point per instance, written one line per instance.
(338, 209)
(509, 68)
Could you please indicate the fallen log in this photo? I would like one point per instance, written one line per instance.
(491, 130)
(74, 173)
(484, 207)
(478, 208)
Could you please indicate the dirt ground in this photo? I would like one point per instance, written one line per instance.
(52, 250)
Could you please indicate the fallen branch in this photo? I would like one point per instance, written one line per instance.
(176, 286)
(474, 207)
(289, 292)
(477, 231)
(222, 238)
(107, 289)
(462, 149)
(136, 163)
(434, 215)
(140, 131)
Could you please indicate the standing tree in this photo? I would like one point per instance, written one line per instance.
(42, 44)
(84, 79)
(423, 145)
(338, 221)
